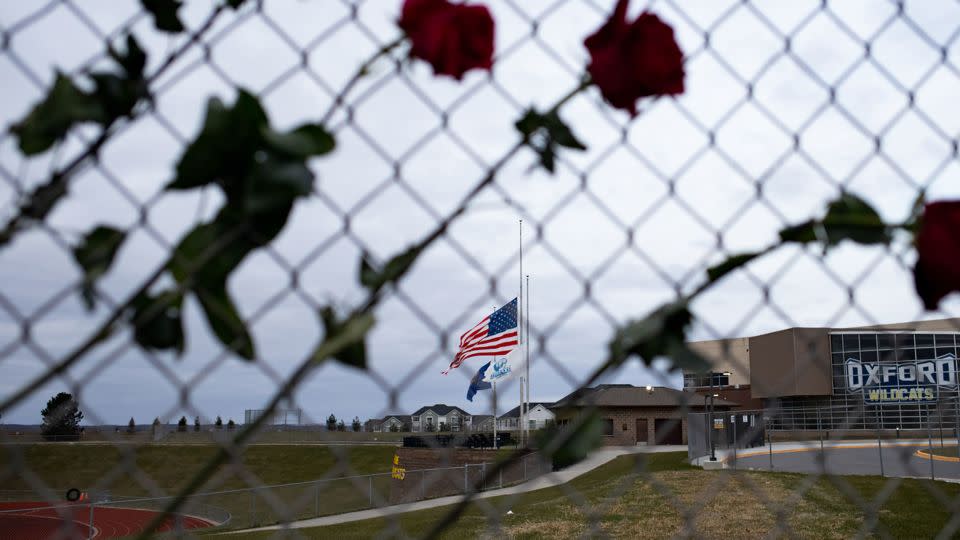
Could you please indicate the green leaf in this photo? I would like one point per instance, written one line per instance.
(394, 269)
(224, 151)
(164, 13)
(561, 133)
(95, 254)
(730, 264)
(224, 320)
(157, 321)
(571, 444)
(544, 133)
(275, 184)
(661, 333)
(305, 141)
(848, 218)
(51, 119)
(134, 61)
(344, 341)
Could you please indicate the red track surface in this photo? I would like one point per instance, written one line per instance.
(37, 520)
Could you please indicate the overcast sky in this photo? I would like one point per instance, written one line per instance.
(740, 191)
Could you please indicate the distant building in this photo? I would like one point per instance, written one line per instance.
(482, 422)
(637, 415)
(440, 417)
(539, 416)
(391, 423)
(885, 376)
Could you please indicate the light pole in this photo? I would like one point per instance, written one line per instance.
(713, 452)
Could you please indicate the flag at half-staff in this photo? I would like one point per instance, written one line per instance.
(495, 335)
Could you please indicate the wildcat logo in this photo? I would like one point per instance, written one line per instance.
(905, 382)
(500, 369)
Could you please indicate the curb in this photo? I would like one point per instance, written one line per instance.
(926, 455)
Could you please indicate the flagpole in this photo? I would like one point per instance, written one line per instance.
(494, 414)
(526, 362)
(520, 431)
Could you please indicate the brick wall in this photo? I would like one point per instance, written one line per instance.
(625, 423)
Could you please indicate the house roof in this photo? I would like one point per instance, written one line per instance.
(628, 395)
(478, 418)
(515, 412)
(440, 409)
(400, 417)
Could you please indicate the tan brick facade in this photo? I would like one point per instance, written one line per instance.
(625, 423)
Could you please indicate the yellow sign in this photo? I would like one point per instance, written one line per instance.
(897, 395)
(397, 471)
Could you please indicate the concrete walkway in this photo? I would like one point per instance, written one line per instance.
(552, 479)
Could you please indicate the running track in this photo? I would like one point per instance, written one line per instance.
(38, 520)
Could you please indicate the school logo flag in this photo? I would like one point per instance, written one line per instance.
(503, 368)
(495, 335)
(478, 383)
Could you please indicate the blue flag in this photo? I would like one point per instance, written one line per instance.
(477, 382)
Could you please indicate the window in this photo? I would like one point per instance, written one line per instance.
(608, 427)
(533, 424)
(415, 418)
(720, 379)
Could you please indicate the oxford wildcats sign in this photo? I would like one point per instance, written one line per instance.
(903, 382)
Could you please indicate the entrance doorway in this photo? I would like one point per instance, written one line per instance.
(642, 435)
(668, 431)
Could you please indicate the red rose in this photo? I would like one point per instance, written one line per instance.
(453, 38)
(937, 272)
(629, 61)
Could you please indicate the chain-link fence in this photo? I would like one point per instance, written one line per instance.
(266, 206)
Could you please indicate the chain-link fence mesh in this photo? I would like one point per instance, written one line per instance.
(212, 299)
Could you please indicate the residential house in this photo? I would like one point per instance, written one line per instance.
(440, 417)
(540, 415)
(395, 422)
(482, 422)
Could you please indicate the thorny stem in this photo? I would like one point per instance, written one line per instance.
(38, 205)
(331, 344)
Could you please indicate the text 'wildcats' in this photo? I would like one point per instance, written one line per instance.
(901, 382)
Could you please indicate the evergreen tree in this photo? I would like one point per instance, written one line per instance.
(331, 423)
(182, 424)
(61, 418)
(219, 423)
(356, 423)
(196, 423)
(131, 426)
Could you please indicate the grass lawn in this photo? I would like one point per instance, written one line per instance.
(128, 470)
(949, 451)
(670, 497)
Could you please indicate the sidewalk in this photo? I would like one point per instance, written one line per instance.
(552, 479)
(725, 455)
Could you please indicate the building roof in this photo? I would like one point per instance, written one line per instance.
(480, 418)
(440, 409)
(400, 417)
(628, 395)
(515, 412)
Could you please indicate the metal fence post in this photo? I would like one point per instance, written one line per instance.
(735, 441)
(316, 499)
(501, 477)
(879, 444)
(769, 442)
(930, 442)
(253, 506)
(823, 458)
(465, 465)
(483, 475)
(371, 490)
(525, 467)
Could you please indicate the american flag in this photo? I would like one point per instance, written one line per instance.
(495, 335)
